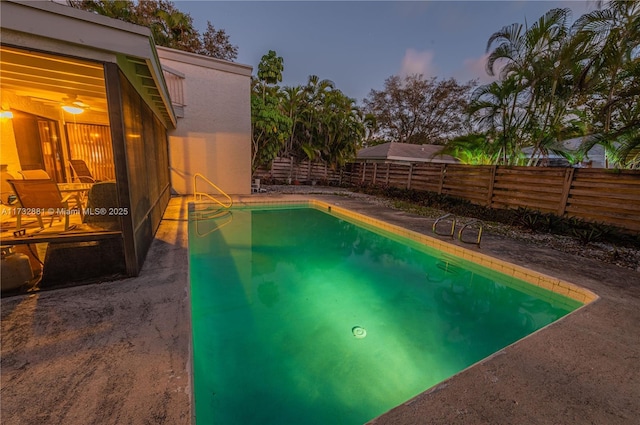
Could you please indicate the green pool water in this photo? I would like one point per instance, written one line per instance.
(299, 317)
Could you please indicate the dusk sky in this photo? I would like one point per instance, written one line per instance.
(359, 44)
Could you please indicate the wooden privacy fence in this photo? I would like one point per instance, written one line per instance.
(593, 194)
(283, 169)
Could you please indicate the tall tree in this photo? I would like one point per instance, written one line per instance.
(270, 68)
(564, 82)
(327, 125)
(342, 129)
(172, 28)
(311, 114)
(496, 109)
(419, 110)
(270, 127)
(169, 26)
(611, 77)
(215, 43)
(292, 104)
(537, 76)
(118, 9)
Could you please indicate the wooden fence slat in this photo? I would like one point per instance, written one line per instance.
(629, 197)
(599, 203)
(589, 185)
(526, 188)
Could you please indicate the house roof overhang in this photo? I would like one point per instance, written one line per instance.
(202, 61)
(56, 28)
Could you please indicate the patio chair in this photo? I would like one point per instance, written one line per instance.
(103, 196)
(40, 196)
(34, 174)
(81, 171)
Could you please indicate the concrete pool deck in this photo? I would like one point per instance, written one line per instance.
(118, 352)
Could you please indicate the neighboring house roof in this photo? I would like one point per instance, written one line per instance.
(404, 152)
(596, 155)
(597, 151)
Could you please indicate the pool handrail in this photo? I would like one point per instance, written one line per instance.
(480, 225)
(199, 195)
(453, 225)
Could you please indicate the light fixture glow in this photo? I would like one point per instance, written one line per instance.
(75, 110)
(73, 105)
(6, 114)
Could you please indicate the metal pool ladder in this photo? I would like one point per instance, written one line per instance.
(473, 223)
(444, 217)
(227, 202)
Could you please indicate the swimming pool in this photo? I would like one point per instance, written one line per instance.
(305, 315)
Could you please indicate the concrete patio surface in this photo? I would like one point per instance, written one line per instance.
(119, 352)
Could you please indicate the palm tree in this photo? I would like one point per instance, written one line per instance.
(175, 29)
(473, 149)
(270, 127)
(118, 9)
(538, 61)
(613, 36)
(311, 113)
(342, 128)
(292, 98)
(496, 108)
(612, 76)
(326, 124)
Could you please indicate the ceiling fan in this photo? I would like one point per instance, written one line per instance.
(73, 105)
(70, 101)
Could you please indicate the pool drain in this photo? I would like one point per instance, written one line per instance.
(359, 332)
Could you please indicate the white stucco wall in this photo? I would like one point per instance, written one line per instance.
(214, 136)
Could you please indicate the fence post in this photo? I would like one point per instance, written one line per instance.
(443, 171)
(290, 167)
(566, 188)
(492, 182)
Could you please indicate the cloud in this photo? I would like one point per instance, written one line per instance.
(475, 68)
(416, 62)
